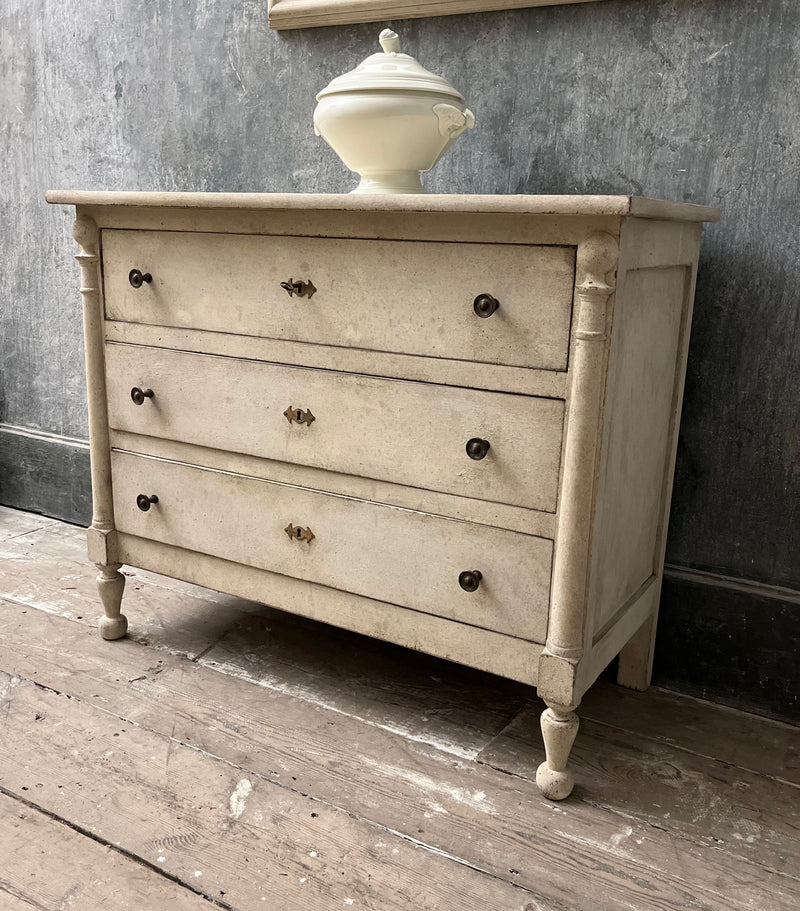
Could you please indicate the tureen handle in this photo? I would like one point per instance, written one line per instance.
(390, 41)
(453, 122)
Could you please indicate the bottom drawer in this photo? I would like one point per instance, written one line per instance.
(395, 555)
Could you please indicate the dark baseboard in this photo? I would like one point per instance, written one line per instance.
(727, 640)
(731, 641)
(45, 473)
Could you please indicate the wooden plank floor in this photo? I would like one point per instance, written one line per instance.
(231, 754)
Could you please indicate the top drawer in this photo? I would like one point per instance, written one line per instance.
(397, 296)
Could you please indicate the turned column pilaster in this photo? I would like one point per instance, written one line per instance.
(110, 581)
(596, 260)
(595, 281)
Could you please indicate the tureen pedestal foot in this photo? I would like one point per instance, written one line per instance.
(390, 182)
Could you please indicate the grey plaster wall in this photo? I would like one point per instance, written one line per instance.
(684, 99)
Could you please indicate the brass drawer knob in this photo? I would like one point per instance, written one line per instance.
(144, 502)
(138, 278)
(470, 580)
(296, 533)
(139, 395)
(301, 289)
(485, 305)
(477, 448)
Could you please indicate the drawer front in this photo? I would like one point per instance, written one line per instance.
(393, 555)
(408, 433)
(396, 296)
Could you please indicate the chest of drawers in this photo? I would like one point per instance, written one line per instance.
(445, 421)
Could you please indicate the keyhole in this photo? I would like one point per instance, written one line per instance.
(299, 532)
(298, 415)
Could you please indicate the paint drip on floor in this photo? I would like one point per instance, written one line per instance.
(239, 797)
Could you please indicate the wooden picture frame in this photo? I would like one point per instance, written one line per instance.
(285, 14)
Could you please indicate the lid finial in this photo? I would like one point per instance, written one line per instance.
(390, 41)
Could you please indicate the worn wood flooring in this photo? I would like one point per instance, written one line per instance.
(228, 755)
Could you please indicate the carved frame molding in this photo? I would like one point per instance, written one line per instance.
(284, 14)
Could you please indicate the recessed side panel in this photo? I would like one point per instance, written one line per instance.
(635, 462)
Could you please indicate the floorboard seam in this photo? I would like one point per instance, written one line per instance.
(674, 833)
(525, 707)
(508, 772)
(5, 596)
(452, 857)
(30, 531)
(721, 707)
(131, 572)
(86, 833)
(256, 774)
(295, 692)
(195, 659)
(671, 832)
(7, 889)
(370, 822)
(676, 746)
(269, 781)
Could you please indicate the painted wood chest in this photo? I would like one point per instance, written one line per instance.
(445, 421)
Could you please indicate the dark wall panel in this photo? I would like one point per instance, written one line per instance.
(46, 474)
(730, 642)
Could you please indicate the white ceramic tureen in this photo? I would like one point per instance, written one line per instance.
(390, 118)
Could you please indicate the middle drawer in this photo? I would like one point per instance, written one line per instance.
(409, 433)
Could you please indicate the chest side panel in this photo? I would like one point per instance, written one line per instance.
(650, 326)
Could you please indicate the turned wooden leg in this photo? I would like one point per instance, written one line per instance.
(559, 727)
(110, 584)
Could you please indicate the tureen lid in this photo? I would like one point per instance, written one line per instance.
(390, 70)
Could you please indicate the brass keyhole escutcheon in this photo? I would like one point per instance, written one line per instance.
(301, 289)
(298, 533)
(299, 416)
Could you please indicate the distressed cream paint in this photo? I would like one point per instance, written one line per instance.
(575, 381)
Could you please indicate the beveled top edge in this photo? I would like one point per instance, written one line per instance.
(523, 205)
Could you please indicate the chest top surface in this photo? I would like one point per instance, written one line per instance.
(636, 206)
